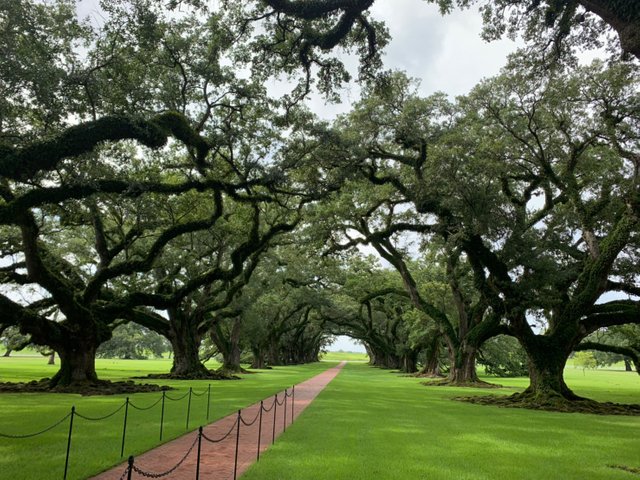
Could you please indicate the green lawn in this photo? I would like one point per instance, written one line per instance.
(371, 423)
(349, 356)
(96, 445)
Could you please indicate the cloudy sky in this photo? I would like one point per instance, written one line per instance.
(445, 53)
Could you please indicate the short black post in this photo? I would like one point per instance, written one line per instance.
(260, 429)
(130, 472)
(66, 462)
(208, 401)
(162, 414)
(199, 449)
(189, 408)
(275, 410)
(235, 464)
(284, 417)
(124, 427)
(293, 401)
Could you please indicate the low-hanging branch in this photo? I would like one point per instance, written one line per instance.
(629, 352)
(21, 164)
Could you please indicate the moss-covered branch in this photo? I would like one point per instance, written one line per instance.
(629, 352)
(23, 163)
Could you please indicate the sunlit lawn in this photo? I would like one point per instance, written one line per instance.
(96, 445)
(374, 424)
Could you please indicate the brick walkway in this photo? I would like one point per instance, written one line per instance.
(217, 459)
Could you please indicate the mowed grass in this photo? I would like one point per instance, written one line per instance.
(348, 356)
(374, 424)
(96, 445)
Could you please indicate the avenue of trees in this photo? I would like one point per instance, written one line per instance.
(155, 195)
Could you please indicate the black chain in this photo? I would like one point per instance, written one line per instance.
(221, 438)
(28, 435)
(95, 419)
(279, 403)
(176, 399)
(167, 472)
(145, 408)
(124, 474)
(199, 394)
(267, 410)
(252, 422)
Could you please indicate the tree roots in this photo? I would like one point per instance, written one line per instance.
(554, 403)
(99, 387)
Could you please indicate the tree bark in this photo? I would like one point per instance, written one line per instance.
(463, 366)
(52, 359)
(77, 364)
(229, 347)
(431, 367)
(547, 359)
(7, 353)
(259, 361)
(185, 342)
(627, 365)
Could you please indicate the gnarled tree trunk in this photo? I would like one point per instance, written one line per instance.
(547, 359)
(77, 363)
(185, 341)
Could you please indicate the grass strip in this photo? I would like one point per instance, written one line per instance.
(371, 423)
(96, 444)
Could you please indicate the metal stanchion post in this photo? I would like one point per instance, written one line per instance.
(260, 429)
(275, 410)
(124, 427)
(130, 472)
(293, 401)
(235, 463)
(208, 401)
(162, 414)
(66, 462)
(199, 449)
(189, 408)
(284, 417)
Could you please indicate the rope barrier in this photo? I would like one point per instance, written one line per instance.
(210, 440)
(125, 474)
(240, 420)
(200, 394)
(132, 405)
(29, 435)
(97, 419)
(267, 410)
(177, 399)
(139, 471)
(250, 423)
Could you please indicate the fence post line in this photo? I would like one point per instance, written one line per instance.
(124, 428)
(130, 472)
(260, 429)
(199, 449)
(293, 401)
(162, 414)
(189, 408)
(284, 417)
(235, 463)
(66, 462)
(208, 401)
(275, 410)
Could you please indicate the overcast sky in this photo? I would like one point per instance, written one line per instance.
(445, 53)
